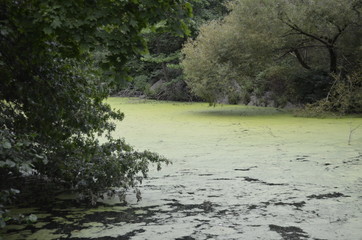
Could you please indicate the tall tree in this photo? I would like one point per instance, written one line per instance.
(318, 24)
(288, 49)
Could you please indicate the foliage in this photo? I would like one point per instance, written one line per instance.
(205, 11)
(160, 66)
(345, 96)
(286, 49)
(209, 73)
(52, 111)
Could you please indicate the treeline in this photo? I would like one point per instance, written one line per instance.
(157, 73)
(261, 52)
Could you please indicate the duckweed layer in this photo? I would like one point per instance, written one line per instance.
(237, 173)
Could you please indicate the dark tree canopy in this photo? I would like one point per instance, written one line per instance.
(52, 90)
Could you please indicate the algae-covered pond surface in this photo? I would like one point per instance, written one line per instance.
(237, 173)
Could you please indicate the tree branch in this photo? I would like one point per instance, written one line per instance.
(301, 60)
(300, 31)
(340, 31)
(295, 52)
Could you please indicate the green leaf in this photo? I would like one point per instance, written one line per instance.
(26, 166)
(6, 144)
(32, 218)
(45, 160)
(56, 23)
(48, 30)
(14, 191)
(7, 163)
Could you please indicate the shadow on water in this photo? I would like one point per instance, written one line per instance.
(240, 111)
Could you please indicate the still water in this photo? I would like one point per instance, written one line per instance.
(238, 173)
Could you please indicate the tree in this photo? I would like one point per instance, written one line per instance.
(160, 66)
(316, 24)
(51, 90)
(286, 49)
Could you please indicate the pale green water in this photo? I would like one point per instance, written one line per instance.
(237, 173)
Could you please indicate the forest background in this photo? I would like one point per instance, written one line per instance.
(266, 53)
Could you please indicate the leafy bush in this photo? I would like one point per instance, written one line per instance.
(344, 96)
(52, 92)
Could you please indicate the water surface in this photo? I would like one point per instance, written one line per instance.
(237, 173)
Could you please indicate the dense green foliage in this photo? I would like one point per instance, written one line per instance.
(157, 73)
(52, 109)
(344, 96)
(274, 52)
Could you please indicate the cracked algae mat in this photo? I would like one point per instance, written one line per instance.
(238, 173)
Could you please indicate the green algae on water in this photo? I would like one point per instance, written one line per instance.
(238, 172)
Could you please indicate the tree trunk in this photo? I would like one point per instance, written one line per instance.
(332, 59)
(163, 64)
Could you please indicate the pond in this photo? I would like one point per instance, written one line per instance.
(238, 173)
